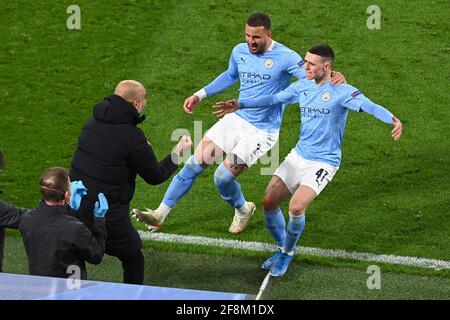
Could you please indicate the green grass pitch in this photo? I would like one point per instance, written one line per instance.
(387, 198)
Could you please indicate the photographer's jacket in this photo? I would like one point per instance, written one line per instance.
(55, 239)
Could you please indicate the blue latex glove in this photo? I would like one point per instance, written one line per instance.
(101, 206)
(78, 190)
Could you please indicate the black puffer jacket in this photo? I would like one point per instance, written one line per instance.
(112, 150)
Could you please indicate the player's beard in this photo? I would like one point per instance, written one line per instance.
(260, 48)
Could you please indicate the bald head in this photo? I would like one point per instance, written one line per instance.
(133, 92)
(129, 89)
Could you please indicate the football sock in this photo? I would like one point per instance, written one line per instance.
(276, 225)
(228, 187)
(294, 230)
(182, 182)
(163, 210)
(244, 209)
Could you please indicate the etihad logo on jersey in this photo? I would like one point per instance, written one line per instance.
(254, 75)
(301, 63)
(314, 112)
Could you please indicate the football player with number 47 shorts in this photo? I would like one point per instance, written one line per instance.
(263, 66)
(314, 161)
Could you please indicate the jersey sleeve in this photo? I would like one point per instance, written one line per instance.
(296, 66)
(287, 96)
(355, 100)
(290, 95)
(226, 79)
(351, 97)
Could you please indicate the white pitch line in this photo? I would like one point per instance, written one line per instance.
(263, 286)
(260, 246)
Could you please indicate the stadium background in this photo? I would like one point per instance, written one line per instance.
(388, 198)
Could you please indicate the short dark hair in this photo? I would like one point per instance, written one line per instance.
(323, 50)
(2, 163)
(259, 20)
(54, 183)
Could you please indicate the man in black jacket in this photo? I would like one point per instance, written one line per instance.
(111, 151)
(56, 242)
(9, 216)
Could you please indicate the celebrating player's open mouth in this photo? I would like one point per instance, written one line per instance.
(258, 38)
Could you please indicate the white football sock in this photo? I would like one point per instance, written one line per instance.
(244, 209)
(163, 210)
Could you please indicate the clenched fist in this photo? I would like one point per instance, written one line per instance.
(184, 144)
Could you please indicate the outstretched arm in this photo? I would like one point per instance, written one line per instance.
(384, 115)
(287, 96)
(225, 80)
(359, 102)
(10, 215)
(377, 111)
(222, 82)
(230, 106)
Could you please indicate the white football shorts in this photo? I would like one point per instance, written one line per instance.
(296, 171)
(236, 136)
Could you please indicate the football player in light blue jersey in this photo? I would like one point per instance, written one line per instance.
(262, 66)
(313, 162)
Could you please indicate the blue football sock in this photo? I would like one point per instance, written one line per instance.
(228, 187)
(276, 225)
(294, 230)
(182, 182)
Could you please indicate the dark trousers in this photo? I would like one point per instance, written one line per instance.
(2, 247)
(124, 242)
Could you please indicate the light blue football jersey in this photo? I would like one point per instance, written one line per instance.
(264, 74)
(323, 110)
